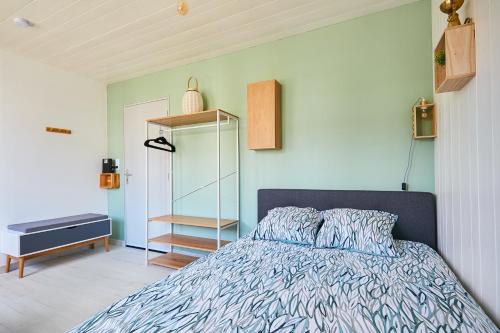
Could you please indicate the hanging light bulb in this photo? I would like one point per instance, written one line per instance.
(424, 106)
(182, 7)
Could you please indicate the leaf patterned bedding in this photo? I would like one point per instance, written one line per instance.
(267, 286)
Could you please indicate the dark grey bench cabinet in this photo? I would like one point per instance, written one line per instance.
(27, 240)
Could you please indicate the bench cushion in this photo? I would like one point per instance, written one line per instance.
(55, 223)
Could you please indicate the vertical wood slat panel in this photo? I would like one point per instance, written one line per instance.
(485, 150)
(473, 186)
(467, 158)
(453, 185)
(462, 218)
(495, 89)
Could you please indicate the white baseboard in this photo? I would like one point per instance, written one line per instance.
(180, 250)
(117, 242)
(188, 252)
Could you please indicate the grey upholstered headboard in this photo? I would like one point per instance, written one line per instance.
(416, 210)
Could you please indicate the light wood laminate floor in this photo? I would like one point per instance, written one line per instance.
(58, 294)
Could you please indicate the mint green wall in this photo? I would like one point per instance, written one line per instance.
(347, 93)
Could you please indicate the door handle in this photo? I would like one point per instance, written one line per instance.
(127, 174)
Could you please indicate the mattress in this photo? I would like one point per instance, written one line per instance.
(266, 286)
(67, 221)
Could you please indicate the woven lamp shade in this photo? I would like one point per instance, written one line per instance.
(192, 100)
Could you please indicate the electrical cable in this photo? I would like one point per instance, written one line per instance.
(410, 160)
(410, 152)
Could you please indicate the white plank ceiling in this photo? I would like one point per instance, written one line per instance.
(112, 40)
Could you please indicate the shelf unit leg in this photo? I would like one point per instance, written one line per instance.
(171, 181)
(146, 247)
(238, 179)
(218, 179)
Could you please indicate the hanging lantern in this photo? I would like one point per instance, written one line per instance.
(192, 100)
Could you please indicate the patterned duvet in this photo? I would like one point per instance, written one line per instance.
(266, 286)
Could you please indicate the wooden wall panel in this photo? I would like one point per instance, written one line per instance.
(467, 163)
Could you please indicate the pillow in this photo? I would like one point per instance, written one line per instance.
(289, 224)
(366, 231)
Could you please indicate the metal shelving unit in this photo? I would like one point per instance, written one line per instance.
(210, 118)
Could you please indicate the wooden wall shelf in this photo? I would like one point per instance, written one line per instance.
(58, 130)
(195, 221)
(203, 117)
(424, 122)
(172, 260)
(459, 46)
(109, 180)
(189, 242)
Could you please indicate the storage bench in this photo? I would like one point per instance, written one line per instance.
(25, 241)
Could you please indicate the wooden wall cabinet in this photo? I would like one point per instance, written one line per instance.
(264, 115)
(459, 46)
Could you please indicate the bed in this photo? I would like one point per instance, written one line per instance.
(268, 286)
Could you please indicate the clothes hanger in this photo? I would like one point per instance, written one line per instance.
(161, 141)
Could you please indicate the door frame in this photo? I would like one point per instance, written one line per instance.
(165, 98)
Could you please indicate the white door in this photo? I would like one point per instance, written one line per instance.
(135, 173)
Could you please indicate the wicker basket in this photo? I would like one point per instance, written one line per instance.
(192, 100)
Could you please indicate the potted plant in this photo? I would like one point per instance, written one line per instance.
(440, 58)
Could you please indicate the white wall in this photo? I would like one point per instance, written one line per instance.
(467, 162)
(45, 175)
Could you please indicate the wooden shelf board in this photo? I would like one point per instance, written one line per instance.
(207, 116)
(454, 83)
(172, 260)
(189, 242)
(195, 221)
(426, 137)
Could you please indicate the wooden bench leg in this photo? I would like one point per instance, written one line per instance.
(106, 244)
(21, 267)
(7, 263)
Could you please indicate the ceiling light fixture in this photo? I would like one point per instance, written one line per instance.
(182, 8)
(22, 22)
